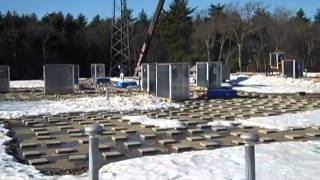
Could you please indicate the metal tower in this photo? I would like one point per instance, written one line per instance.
(120, 39)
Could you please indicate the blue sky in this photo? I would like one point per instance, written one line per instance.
(103, 7)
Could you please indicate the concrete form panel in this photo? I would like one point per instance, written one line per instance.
(179, 82)
(4, 79)
(163, 83)
(98, 71)
(225, 73)
(76, 73)
(58, 78)
(215, 75)
(209, 74)
(292, 68)
(151, 74)
(144, 75)
(202, 70)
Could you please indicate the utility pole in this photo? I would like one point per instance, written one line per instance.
(120, 39)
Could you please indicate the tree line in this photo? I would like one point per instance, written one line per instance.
(239, 36)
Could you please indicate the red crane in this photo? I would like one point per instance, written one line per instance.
(146, 45)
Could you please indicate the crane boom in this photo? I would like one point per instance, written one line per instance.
(146, 45)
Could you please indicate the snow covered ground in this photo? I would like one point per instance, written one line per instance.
(286, 121)
(274, 84)
(15, 109)
(27, 84)
(162, 123)
(294, 160)
(291, 160)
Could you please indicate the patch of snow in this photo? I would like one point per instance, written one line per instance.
(222, 123)
(291, 160)
(286, 121)
(162, 123)
(27, 84)
(275, 84)
(15, 109)
(312, 74)
(126, 79)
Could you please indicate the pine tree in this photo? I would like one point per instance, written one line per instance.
(143, 17)
(317, 16)
(302, 16)
(215, 10)
(177, 29)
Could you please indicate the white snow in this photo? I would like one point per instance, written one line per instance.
(286, 121)
(292, 160)
(162, 123)
(312, 74)
(27, 84)
(15, 109)
(126, 79)
(275, 84)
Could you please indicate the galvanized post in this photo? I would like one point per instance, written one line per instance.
(94, 156)
(250, 139)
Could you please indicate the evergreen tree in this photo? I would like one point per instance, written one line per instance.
(143, 17)
(96, 20)
(317, 16)
(301, 15)
(215, 10)
(177, 29)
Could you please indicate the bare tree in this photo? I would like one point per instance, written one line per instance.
(241, 25)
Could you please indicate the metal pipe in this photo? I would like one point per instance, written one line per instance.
(94, 155)
(250, 139)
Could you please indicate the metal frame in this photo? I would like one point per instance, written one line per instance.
(294, 68)
(94, 74)
(277, 55)
(120, 38)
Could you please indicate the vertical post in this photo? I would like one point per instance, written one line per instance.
(250, 139)
(94, 163)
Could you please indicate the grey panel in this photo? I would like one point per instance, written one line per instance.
(58, 78)
(151, 78)
(76, 74)
(98, 71)
(144, 74)
(225, 73)
(163, 80)
(215, 75)
(4, 79)
(288, 68)
(202, 69)
(273, 60)
(179, 82)
(299, 68)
